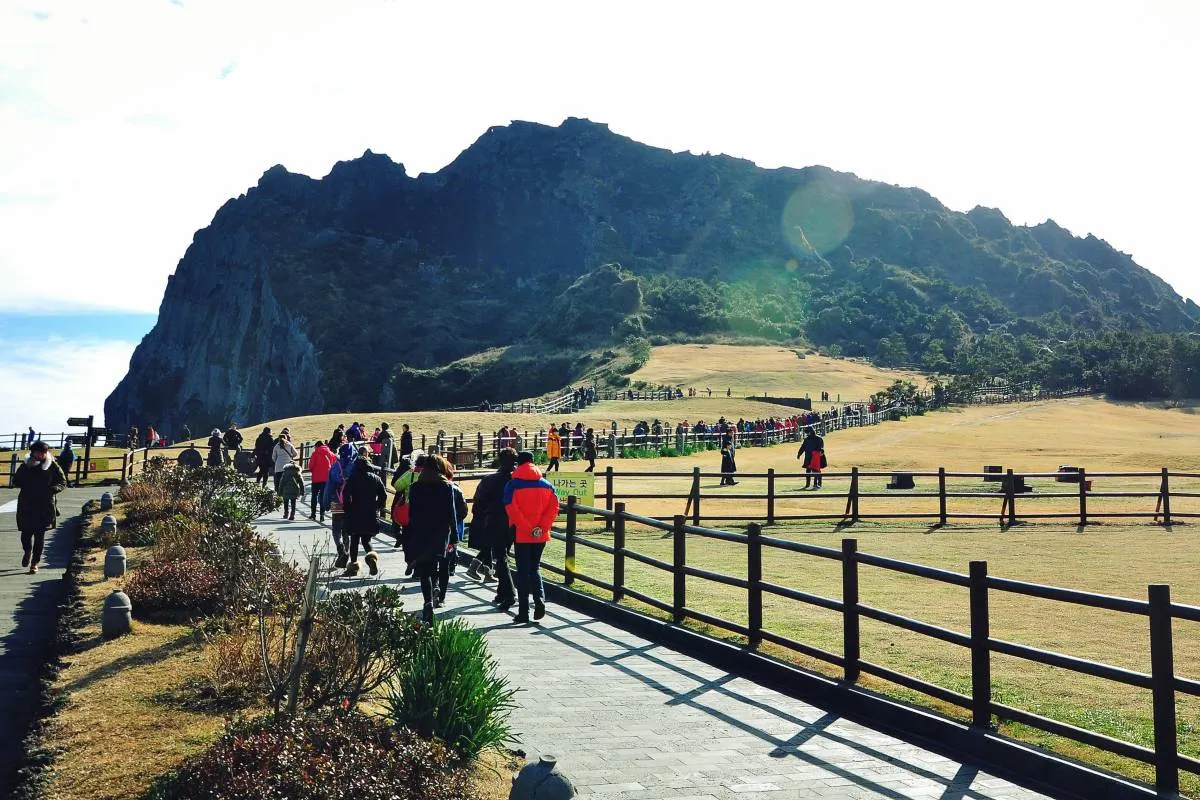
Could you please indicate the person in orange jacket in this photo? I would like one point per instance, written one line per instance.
(532, 505)
(553, 449)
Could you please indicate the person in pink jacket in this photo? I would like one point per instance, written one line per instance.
(532, 505)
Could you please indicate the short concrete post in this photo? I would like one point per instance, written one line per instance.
(114, 562)
(117, 617)
(542, 781)
(108, 525)
(106, 501)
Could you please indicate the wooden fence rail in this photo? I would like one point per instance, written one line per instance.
(1162, 680)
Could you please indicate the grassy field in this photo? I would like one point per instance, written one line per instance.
(1116, 557)
(754, 369)
(111, 454)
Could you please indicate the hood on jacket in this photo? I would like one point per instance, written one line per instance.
(347, 453)
(292, 467)
(527, 472)
(45, 462)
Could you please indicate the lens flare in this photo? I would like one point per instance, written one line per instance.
(817, 218)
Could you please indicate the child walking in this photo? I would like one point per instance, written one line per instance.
(291, 486)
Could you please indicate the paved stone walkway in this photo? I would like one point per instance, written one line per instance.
(632, 720)
(28, 619)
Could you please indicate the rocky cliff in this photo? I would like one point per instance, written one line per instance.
(370, 287)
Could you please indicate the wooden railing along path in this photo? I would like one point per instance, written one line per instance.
(1162, 681)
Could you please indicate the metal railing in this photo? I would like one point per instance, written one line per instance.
(1160, 611)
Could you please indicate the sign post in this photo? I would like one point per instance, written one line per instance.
(76, 422)
(581, 485)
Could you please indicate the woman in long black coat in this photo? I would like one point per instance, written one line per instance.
(434, 511)
(728, 460)
(216, 449)
(40, 479)
(363, 498)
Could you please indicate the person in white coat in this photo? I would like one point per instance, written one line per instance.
(284, 453)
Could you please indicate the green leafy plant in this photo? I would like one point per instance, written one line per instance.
(451, 690)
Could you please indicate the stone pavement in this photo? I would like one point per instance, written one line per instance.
(29, 618)
(632, 720)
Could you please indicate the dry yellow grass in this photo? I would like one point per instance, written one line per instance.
(754, 369)
(114, 733)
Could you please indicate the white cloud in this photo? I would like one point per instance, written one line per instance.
(45, 382)
(131, 123)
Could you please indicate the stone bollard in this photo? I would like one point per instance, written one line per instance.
(108, 525)
(117, 618)
(114, 562)
(541, 781)
(106, 501)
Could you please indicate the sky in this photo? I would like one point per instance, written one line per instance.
(125, 126)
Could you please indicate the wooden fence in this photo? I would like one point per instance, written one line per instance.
(1162, 680)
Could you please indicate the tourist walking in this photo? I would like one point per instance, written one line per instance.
(728, 459)
(233, 443)
(282, 454)
(553, 449)
(319, 464)
(432, 525)
(331, 499)
(291, 486)
(531, 505)
(363, 499)
(66, 459)
(812, 455)
(491, 533)
(215, 449)
(39, 480)
(264, 446)
(403, 481)
(406, 441)
(589, 449)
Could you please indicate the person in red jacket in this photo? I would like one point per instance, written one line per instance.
(319, 462)
(531, 505)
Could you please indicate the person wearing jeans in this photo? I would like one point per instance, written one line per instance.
(40, 478)
(531, 505)
(491, 534)
(363, 499)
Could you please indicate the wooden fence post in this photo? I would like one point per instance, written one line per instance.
(1166, 497)
(850, 627)
(771, 496)
(754, 579)
(942, 518)
(1009, 504)
(572, 526)
(619, 553)
(479, 450)
(1162, 676)
(694, 501)
(981, 657)
(679, 599)
(1083, 496)
(852, 497)
(608, 496)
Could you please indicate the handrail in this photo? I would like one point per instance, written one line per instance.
(1161, 680)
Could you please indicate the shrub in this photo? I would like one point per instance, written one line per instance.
(231, 673)
(338, 755)
(176, 537)
(359, 640)
(451, 690)
(190, 587)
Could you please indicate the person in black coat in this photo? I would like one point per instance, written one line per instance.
(264, 445)
(39, 479)
(811, 451)
(363, 498)
(216, 449)
(490, 532)
(233, 442)
(406, 441)
(434, 511)
(728, 460)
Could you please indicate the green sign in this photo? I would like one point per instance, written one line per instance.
(580, 484)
